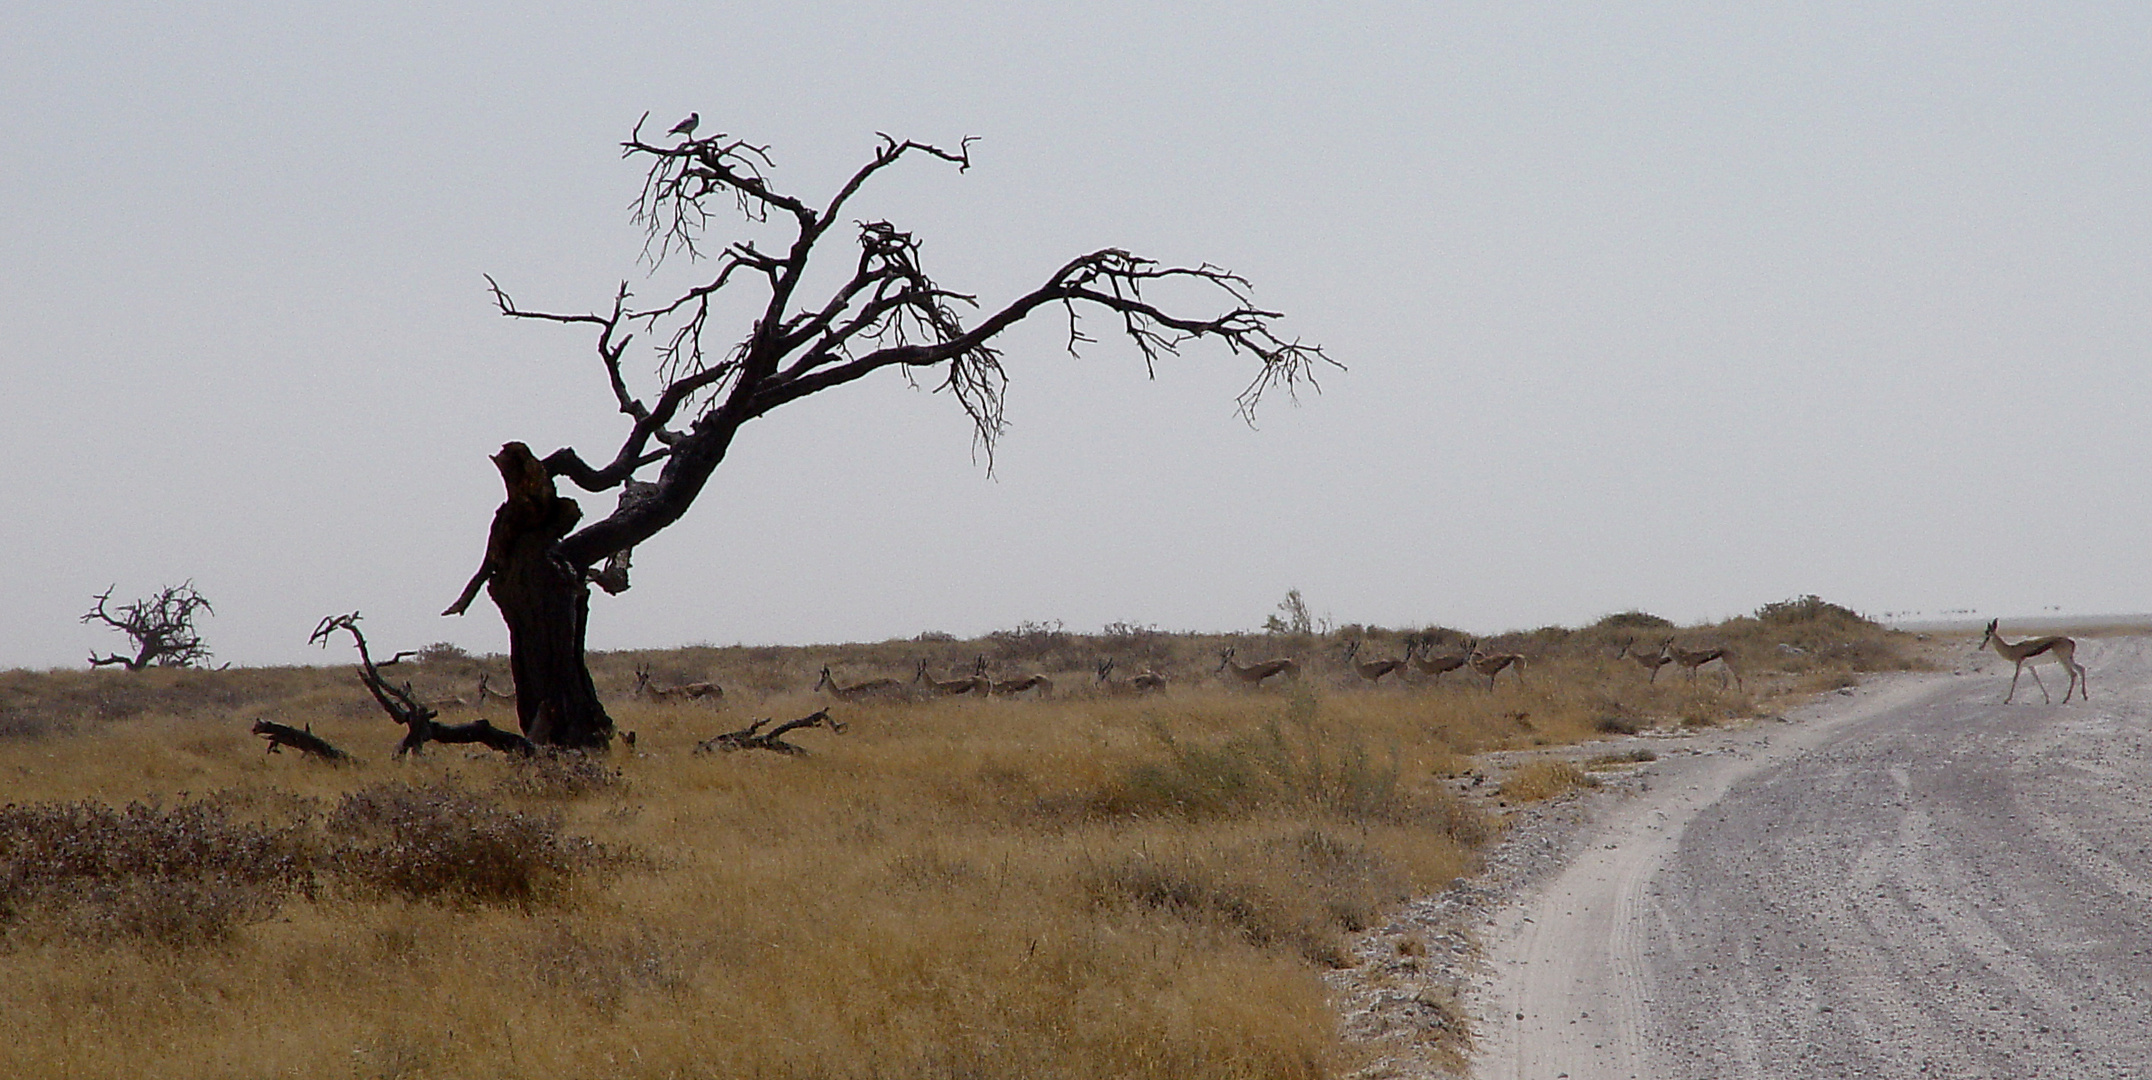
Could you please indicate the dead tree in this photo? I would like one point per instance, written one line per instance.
(747, 738)
(301, 739)
(883, 312)
(416, 716)
(161, 627)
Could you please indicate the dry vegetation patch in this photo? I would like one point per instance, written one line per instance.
(1076, 886)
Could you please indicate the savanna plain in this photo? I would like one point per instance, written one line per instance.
(1084, 882)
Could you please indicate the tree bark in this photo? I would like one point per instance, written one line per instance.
(546, 604)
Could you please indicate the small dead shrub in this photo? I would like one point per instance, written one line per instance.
(187, 875)
(444, 842)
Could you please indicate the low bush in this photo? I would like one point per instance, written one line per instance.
(445, 842)
(187, 875)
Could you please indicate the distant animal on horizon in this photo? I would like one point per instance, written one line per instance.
(2036, 651)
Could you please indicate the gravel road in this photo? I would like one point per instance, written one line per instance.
(1913, 880)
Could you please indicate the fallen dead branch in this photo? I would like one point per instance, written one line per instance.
(303, 740)
(749, 737)
(416, 716)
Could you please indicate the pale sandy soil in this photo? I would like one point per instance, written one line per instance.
(1910, 879)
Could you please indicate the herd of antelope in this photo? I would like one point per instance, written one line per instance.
(1420, 656)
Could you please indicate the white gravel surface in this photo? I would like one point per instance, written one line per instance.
(1908, 880)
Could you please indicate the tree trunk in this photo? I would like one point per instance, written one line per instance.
(546, 604)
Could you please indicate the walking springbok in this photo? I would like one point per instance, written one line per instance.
(1373, 670)
(2037, 651)
(1434, 667)
(886, 688)
(1142, 682)
(1493, 664)
(1649, 661)
(1694, 660)
(1253, 675)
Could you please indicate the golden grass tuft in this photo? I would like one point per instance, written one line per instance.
(1536, 780)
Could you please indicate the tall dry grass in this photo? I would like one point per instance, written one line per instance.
(1072, 887)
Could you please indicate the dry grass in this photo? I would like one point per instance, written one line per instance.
(1537, 780)
(1073, 887)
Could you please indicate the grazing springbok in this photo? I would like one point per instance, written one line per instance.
(1694, 660)
(1254, 674)
(1143, 682)
(1649, 661)
(1493, 664)
(2036, 651)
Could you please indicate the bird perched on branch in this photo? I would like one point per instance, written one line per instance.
(686, 127)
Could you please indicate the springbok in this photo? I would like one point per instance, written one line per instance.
(1649, 661)
(487, 693)
(969, 684)
(1373, 670)
(1493, 664)
(645, 688)
(1143, 682)
(1253, 675)
(1017, 685)
(1694, 660)
(1434, 667)
(2037, 651)
(889, 688)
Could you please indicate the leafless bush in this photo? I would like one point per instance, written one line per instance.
(444, 842)
(1033, 642)
(181, 876)
(1810, 608)
(161, 628)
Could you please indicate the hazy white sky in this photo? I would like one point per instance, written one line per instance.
(1682, 307)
